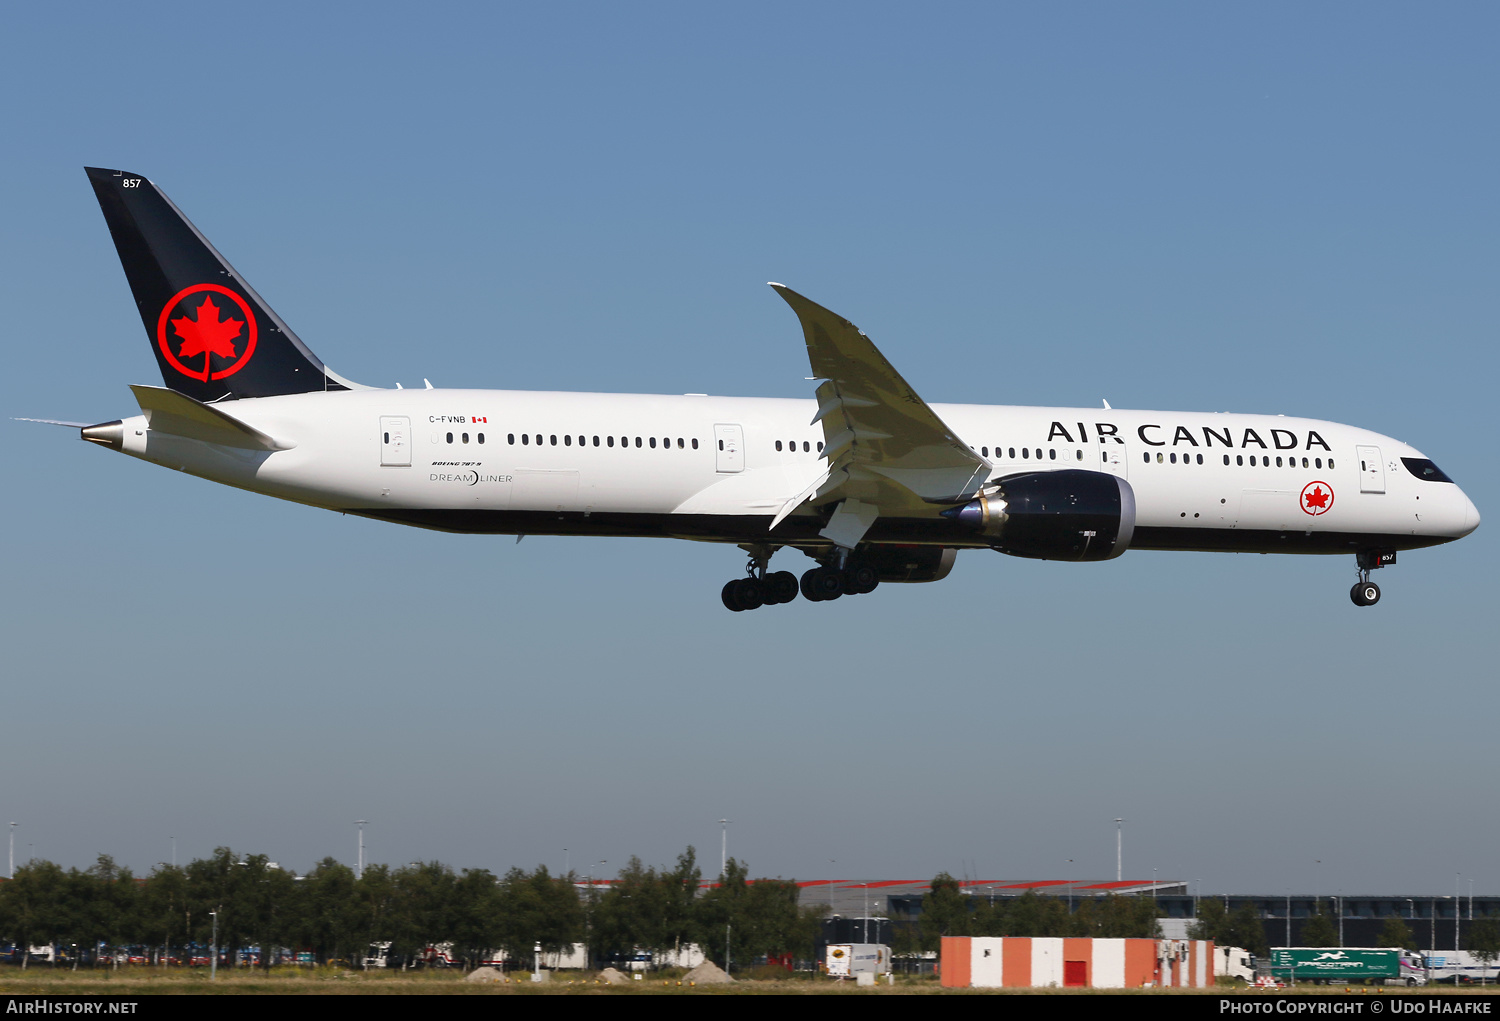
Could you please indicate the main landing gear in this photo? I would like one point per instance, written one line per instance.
(760, 588)
(840, 575)
(1366, 592)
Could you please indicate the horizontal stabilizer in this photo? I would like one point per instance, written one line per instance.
(171, 412)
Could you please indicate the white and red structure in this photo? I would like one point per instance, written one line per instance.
(1024, 961)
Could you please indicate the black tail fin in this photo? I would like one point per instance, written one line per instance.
(213, 336)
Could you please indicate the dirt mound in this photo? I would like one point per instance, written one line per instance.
(706, 974)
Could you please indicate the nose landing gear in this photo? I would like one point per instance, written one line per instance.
(1366, 592)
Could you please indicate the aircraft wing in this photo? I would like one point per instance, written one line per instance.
(888, 453)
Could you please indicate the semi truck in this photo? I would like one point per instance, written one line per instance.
(1373, 965)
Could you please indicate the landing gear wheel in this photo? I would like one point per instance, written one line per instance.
(749, 593)
(743, 594)
(780, 587)
(822, 584)
(1365, 593)
(861, 579)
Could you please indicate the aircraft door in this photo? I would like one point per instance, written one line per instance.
(730, 441)
(1112, 459)
(395, 441)
(1371, 473)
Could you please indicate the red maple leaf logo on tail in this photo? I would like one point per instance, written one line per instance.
(207, 333)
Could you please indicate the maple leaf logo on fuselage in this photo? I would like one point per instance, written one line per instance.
(207, 333)
(1317, 498)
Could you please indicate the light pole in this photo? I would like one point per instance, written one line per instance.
(213, 948)
(1458, 906)
(724, 847)
(359, 872)
(1119, 850)
(12, 850)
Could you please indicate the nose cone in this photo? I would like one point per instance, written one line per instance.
(1471, 515)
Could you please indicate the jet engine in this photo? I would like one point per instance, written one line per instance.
(1056, 515)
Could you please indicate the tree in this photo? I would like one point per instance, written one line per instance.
(1396, 933)
(535, 907)
(163, 910)
(35, 908)
(1319, 930)
(477, 907)
(330, 922)
(423, 907)
(1484, 942)
(945, 912)
(1248, 931)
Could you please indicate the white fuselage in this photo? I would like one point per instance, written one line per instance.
(720, 468)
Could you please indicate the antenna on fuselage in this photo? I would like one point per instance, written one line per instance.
(1107, 407)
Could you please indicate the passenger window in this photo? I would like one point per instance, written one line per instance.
(510, 438)
(568, 441)
(609, 441)
(1330, 463)
(525, 439)
(450, 437)
(466, 437)
(554, 441)
(1026, 452)
(984, 451)
(539, 439)
(1304, 462)
(638, 441)
(1013, 453)
(778, 446)
(481, 437)
(806, 447)
(695, 443)
(820, 446)
(1226, 458)
(1200, 458)
(1051, 454)
(653, 443)
(1158, 458)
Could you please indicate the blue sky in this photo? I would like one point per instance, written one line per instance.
(1259, 208)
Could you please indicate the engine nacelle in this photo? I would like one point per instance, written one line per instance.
(1057, 515)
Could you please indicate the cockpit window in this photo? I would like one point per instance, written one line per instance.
(1425, 469)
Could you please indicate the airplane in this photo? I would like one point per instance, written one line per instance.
(867, 479)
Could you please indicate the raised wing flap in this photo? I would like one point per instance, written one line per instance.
(884, 445)
(171, 412)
